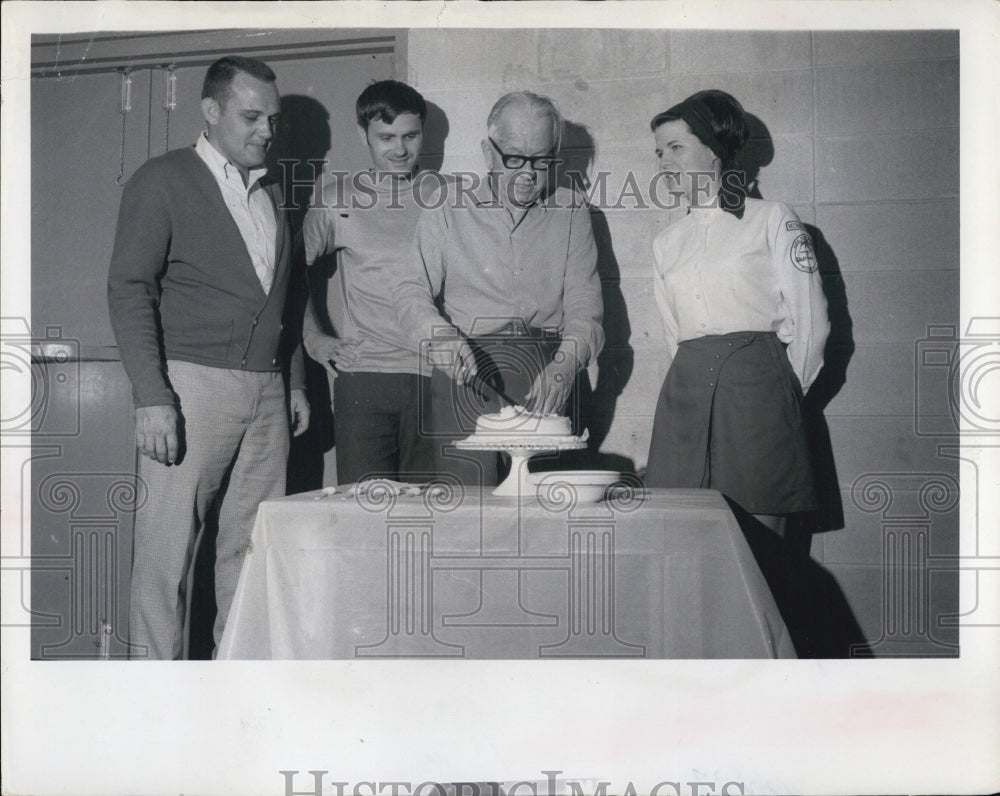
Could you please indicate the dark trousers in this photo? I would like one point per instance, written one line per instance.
(377, 427)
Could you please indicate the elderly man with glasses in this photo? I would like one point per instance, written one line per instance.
(501, 293)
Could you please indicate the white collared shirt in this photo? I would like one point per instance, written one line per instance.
(250, 207)
(715, 273)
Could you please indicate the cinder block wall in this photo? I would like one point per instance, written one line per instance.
(859, 132)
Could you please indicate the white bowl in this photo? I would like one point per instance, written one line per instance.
(587, 485)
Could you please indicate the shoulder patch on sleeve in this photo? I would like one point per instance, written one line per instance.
(802, 254)
(791, 226)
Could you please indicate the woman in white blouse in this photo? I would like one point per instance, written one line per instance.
(737, 285)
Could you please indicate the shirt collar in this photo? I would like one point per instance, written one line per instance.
(704, 214)
(726, 202)
(220, 165)
(483, 196)
(386, 184)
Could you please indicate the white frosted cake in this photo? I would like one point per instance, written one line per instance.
(516, 421)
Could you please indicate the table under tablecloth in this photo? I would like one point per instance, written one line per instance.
(461, 574)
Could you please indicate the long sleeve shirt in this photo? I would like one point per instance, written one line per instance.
(250, 207)
(487, 266)
(715, 273)
(181, 284)
(368, 226)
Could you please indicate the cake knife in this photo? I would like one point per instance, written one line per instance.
(479, 381)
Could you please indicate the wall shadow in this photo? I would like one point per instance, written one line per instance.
(815, 610)
(297, 154)
(829, 516)
(595, 405)
(839, 349)
(810, 599)
(436, 129)
(297, 157)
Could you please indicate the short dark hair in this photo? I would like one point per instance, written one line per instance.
(384, 100)
(716, 118)
(219, 77)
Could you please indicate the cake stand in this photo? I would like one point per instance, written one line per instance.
(520, 449)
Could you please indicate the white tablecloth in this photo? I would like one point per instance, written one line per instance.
(663, 574)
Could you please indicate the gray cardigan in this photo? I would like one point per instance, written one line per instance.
(182, 286)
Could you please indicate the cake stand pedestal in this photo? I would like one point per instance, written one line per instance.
(500, 588)
(519, 483)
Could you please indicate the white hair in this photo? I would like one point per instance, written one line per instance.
(537, 104)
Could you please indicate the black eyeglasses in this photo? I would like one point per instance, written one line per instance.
(537, 162)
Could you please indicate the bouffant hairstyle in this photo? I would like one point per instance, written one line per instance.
(716, 118)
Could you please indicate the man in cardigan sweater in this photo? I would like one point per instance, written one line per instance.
(196, 291)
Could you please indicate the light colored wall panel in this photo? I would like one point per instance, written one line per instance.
(587, 54)
(632, 233)
(630, 169)
(616, 112)
(858, 542)
(629, 437)
(639, 397)
(872, 47)
(862, 540)
(710, 52)
(894, 236)
(466, 110)
(866, 445)
(881, 382)
(781, 101)
(458, 57)
(909, 96)
(644, 316)
(806, 213)
(894, 307)
(892, 167)
(789, 177)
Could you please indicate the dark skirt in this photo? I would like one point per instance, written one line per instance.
(729, 417)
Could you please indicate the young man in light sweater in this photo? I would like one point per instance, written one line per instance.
(358, 231)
